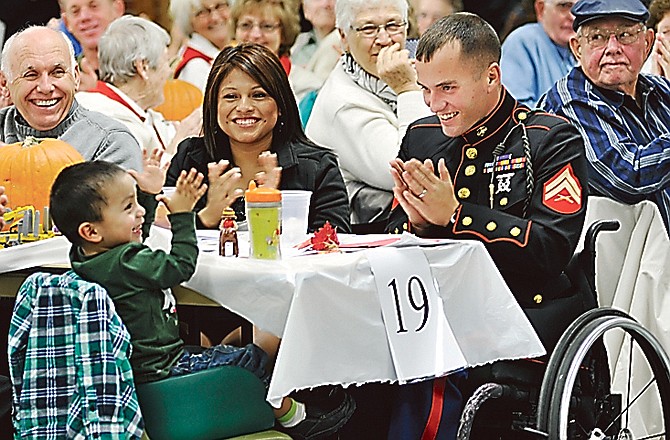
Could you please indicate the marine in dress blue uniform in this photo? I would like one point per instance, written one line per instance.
(520, 181)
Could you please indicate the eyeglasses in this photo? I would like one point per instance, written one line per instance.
(624, 35)
(207, 11)
(266, 28)
(372, 30)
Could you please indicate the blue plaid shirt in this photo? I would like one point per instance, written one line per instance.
(69, 362)
(628, 146)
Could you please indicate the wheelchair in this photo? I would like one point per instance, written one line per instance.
(572, 396)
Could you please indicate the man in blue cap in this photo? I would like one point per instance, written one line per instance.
(621, 113)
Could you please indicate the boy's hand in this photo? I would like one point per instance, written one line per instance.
(188, 191)
(152, 177)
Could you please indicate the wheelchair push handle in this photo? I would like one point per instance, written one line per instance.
(595, 228)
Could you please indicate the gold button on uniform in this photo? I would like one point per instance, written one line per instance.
(522, 116)
(504, 201)
(471, 153)
(470, 170)
(537, 298)
(467, 221)
(514, 232)
(404, 226)
(463, 193)
(491, 226)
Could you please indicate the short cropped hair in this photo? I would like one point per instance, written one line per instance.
(347, 10)
(477, 38)
(129, 39)
(77, 196)
(657, 10)
(264, 67)
(289, 19)
(7, 49)
(182, 11)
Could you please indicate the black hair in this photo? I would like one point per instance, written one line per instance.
(77, 197)
(264, 67)
(477, 38)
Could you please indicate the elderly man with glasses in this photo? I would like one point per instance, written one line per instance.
(621, 113)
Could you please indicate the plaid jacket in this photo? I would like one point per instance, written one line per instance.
(69, 362)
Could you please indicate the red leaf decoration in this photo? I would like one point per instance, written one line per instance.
(325, 239)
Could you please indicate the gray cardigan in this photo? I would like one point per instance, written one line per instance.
(93, 134)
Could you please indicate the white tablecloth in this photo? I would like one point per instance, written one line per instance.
(327, 312)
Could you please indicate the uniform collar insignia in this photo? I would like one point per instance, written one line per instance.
(491, 124)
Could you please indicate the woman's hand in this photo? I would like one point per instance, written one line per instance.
(661, 56)
(270, 177)
(152, 177)
(224, 189)
(395, 69)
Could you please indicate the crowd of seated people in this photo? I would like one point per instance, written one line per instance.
(392, 143)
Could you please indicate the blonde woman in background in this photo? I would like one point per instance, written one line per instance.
(274, 25)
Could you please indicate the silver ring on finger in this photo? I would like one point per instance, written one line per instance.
(423, 193)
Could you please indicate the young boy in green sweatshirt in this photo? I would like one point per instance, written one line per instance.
(105, 212)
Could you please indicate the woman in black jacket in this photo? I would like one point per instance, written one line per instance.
(248, 111)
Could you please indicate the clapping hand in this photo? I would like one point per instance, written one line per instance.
(188, 191)
(426, 198)
(224, 188)
(152, 177)
(271, 174)
(3, 205)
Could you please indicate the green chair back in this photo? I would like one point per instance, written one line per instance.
(211, 404)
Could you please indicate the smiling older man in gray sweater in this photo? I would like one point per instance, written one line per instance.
(41, 76)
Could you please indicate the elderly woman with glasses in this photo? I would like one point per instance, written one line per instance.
(275, 25)
(205, 23)
(364, 107)
(134, 67)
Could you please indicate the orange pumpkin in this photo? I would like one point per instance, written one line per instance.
(181, 98)
(29, 168)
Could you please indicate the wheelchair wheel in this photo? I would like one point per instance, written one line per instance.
(572, 388)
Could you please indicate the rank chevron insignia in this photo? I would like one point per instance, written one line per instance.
(563, 192)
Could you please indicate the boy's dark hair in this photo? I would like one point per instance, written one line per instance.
(76, 196)
(477, 38)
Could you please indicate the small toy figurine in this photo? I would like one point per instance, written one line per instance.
(228, 246)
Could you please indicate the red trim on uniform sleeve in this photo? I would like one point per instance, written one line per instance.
(563, 192)
(436, 404)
